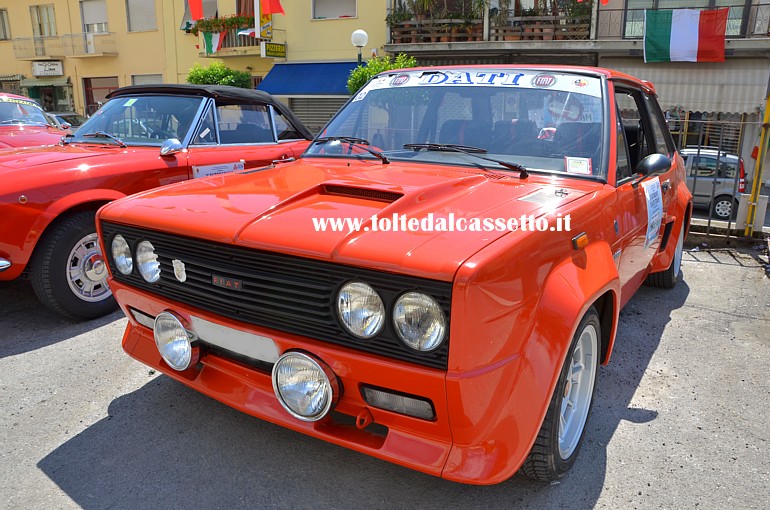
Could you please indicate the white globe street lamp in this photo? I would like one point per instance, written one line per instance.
(359, 38)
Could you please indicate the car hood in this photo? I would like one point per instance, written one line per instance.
(274, 209)
(29, 136)
(20, 160)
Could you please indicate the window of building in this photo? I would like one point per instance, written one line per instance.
(96, 90)
(94, 15)
(43, 20)
(5, 27)
(146, 79)
(323, 9)
(141, 15)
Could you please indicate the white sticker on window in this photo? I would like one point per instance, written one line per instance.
(222, 168)
(578, 165)
(654, 209)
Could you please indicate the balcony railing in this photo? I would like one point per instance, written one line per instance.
(67, 45)
(233, 44)
(742, 22)
(572, 24)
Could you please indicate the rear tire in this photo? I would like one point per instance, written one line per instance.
(561, 435)
(670, 277)
(69, 274)
(724, 207)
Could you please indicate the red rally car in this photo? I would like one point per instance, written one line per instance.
(432, 283)
(23, 123)
(142, 138)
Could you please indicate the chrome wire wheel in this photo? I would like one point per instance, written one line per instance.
(87, 270)
(578, 391)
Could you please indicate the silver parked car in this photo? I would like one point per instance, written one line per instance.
(711, 177)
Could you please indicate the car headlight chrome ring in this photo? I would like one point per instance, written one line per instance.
(305, 386)
(121, 255)
(147, 262)
(419, 321)
(360, 310)
(174, 342)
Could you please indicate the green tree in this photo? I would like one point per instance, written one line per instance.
(361, 74)
(218, 74)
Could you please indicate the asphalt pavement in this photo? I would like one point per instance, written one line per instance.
(680, 419)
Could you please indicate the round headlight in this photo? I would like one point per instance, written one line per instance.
(121, 255)
(419, 321)
(147, 262)
(307, 388)
(361, 310)
(173, 341)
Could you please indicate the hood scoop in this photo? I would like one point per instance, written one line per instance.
(366, 193)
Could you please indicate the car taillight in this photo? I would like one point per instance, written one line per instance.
(742, 180)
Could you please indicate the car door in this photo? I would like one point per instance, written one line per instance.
(238, 136)
(641, 204)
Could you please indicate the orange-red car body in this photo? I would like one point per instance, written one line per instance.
(513, 299)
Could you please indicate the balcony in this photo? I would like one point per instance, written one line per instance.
(564, 28)
(81, 45)
(233, 45)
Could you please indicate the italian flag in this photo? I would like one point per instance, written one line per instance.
(212, 41)
(684, 35)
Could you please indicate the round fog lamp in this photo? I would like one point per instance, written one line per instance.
(121, 254)
(147, 262)
(307, 388)
(360, 310)
(173, 341)
(419, 321)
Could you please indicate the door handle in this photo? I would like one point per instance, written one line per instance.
(284, 159)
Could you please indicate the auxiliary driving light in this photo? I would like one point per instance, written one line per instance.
(305, 386)
(173, 341)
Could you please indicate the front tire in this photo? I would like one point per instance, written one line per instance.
(69, 274)
(561, 435)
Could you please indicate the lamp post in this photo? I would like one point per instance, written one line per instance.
(359, 38)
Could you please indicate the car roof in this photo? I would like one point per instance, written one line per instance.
(214, 92)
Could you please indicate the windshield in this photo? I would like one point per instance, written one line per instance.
(543, 121)
(142, 120)
(14, 110)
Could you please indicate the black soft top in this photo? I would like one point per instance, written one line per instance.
(216, 92)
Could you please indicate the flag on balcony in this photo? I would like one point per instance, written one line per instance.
(271, 7)
(196, 9)
(684, 35)
(249, 32)
(212, 41)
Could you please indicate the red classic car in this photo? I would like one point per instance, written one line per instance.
(23, 123)
(142, 138)
(432, 283)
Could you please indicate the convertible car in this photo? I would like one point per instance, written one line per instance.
(433, 283)
(142, 138)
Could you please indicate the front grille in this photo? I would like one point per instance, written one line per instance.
(287, 293)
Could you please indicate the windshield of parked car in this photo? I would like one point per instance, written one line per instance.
(543, 121)
(141, 120)
(15, 110)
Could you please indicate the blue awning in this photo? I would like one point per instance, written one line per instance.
(308, 79)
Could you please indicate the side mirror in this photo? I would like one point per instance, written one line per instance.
(65, 125)
(171, 147)
(654, 164)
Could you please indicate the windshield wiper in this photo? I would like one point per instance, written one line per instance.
(470, 151)
(102, 134)
(361, 143)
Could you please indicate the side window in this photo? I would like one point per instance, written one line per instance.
(663, 142)
(244, 123)
(285, 130)
(207, 132)
(631, 106)
(623, 167)
(704, 166)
